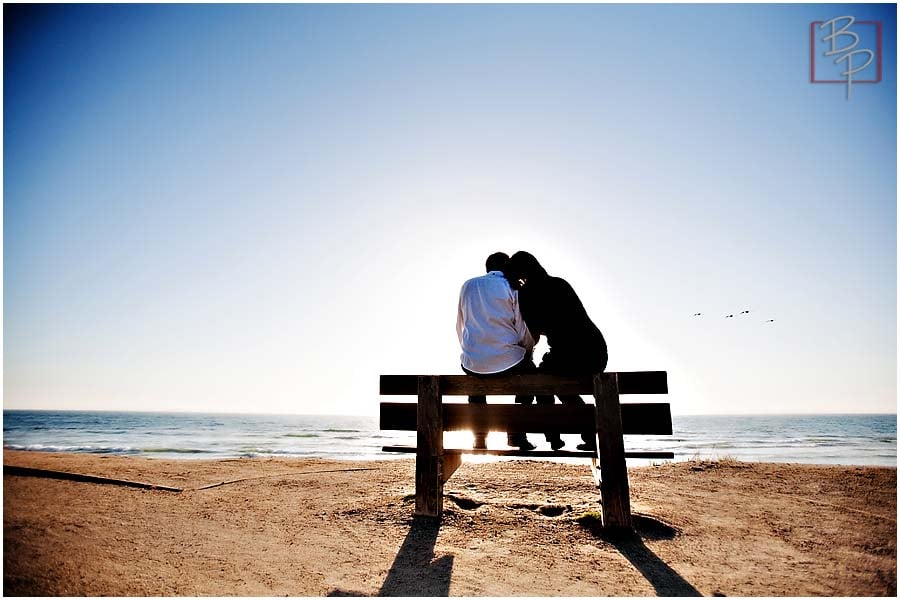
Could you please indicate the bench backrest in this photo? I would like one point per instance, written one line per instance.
(637, 418)
(629, 382)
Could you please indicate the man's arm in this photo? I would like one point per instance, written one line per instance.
(530, 342)
(460, 315)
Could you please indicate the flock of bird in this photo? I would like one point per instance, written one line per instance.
(743, 312)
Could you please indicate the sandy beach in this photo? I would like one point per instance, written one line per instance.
(330, 528)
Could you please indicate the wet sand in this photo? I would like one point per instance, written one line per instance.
(303, 527)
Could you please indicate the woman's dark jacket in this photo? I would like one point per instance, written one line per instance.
(551, 307)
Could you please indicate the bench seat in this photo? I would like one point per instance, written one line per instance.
(533, 453)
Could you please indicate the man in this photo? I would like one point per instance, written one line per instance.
(493, 336)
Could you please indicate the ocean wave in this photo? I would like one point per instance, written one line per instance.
(333, 430)
(85, 449)
(250, 452)
(301, 435)
(174, 451)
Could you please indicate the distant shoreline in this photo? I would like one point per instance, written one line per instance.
(820, 439)
(375, 415)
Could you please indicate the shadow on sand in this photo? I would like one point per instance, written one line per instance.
(415, 572)
(664, 579)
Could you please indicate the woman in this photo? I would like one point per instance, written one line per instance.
(550, 307)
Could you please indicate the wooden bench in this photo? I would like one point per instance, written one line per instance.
(430, 417)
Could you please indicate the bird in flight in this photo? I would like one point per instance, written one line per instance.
(745, 312)
(728, 316)
(770, 321)
(697, 314)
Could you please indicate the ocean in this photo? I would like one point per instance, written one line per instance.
(813, 439)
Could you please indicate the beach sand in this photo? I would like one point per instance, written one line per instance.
(333, 528)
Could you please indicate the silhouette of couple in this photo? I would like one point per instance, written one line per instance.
(501, 316)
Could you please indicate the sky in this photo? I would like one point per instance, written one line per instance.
(249, 208)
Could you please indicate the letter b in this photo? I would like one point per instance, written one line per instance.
(835, 33)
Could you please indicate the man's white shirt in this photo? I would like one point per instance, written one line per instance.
(491, 331)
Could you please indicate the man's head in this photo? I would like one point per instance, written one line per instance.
(496, 262)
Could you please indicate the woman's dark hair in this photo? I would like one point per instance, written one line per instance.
(523, 265)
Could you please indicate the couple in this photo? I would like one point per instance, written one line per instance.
(502, 315)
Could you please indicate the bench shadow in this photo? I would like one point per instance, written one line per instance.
(664, 579)
(415, 572)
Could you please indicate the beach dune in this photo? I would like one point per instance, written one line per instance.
(306, 527)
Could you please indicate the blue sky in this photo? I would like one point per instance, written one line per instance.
(262, 208)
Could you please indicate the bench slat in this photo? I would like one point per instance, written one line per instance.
(630, 382)
(637, 418)
(534, 453)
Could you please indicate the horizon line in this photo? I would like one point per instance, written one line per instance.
(373, 415)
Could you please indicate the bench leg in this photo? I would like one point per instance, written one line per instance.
(611, 451)
(429, 449)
